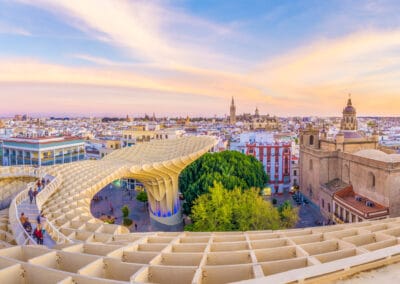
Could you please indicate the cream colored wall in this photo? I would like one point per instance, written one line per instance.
(355, 147)
(113, 144)
(393, 186)
(324, 169)
(359, 177)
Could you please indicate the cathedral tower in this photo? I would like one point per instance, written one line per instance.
(349, 120)
(232, 117)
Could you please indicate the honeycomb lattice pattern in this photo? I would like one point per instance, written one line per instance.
(197, 257)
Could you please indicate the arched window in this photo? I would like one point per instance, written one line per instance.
(311, 165)
(312, 140)
(323, 203)
(329, 207)
(371, 180)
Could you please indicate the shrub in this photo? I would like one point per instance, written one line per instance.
(125, 211)
(127, 222)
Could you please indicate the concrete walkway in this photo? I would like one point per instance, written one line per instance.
(31, 211)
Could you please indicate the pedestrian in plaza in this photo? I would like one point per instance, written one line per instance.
(111, 208)
(30, 194)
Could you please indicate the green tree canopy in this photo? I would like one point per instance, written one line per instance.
(125, 211)
(288, 215)
(237, 210)
(142, 196)
(231, 168)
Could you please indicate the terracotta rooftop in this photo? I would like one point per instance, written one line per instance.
(350, 199)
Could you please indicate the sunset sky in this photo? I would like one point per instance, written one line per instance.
(189, 57)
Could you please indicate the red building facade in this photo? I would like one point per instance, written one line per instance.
(276, 159)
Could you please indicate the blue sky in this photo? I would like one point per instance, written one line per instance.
(175, 57)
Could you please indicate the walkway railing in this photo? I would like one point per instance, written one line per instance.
(41, 198)
(18, 171)
(20, 234)
(48, 190)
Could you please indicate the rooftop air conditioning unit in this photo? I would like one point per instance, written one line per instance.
(369, 204)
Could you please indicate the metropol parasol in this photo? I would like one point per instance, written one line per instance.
(82, 249)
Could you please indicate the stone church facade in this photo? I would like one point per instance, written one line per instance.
(348, 177)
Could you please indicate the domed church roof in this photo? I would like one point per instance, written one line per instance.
(349, 109)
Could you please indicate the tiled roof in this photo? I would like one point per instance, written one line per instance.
(348, 197)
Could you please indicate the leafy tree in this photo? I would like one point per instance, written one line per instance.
(125, 211)
(125, 214)
(142, 196)
(233, 210)
(127, 222)
(230, 168)
(288, 215)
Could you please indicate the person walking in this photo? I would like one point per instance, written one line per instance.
(30, 193)
(22, 218)
(35, 192)
(111, 208)
(43, 220)
(27, 226)
(38, 234)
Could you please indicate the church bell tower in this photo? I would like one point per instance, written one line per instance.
(232, 117)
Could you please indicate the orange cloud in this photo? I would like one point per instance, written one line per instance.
(319, 76)
(202, 83)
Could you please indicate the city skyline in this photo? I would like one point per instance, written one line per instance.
(71, 58)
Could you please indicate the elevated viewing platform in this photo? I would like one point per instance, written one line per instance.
(83, 249)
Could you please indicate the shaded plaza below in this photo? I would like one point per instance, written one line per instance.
(117, 197)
